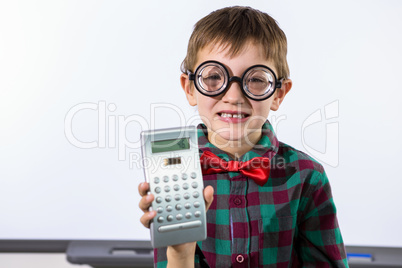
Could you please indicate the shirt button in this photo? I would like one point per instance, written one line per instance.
(239, 258)
(237, 201)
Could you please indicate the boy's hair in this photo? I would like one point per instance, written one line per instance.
(233, 28)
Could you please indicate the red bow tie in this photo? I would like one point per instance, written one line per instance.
(257, 168)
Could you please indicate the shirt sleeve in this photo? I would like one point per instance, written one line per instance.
(160, 258)
(320, 242)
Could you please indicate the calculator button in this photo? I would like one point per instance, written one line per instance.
(184, 176)
(177, 197)
(197, 213)
(175, 177)
(159, 209)
(196, 204)
(196, 194)
(169, 208)
(165, 178)
(185, 186)
(176, 187)
(186, 196)
(158, 199)
(194, 185)
(169, 218)
(187, 205)
(179, 226)
(168, 198)
(160, 219)
(193, 175)
(157, 190)
(167, 188)
(156, 180)
(188, 215)
(178, 207)
(179, 217)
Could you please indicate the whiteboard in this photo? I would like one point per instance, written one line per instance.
(79, 80)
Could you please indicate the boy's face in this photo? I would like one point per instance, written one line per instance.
(232, 117)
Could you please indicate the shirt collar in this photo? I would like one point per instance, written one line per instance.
(267, 146)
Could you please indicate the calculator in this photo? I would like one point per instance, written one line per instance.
(172, 168)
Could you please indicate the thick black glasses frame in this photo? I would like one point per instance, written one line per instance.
(191, 76)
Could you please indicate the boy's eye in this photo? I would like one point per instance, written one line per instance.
(212, 82)
(212, 77)
(257, 80)
(258, 84)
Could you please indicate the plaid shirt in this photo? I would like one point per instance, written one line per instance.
(289, 222)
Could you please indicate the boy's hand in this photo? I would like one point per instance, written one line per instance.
(145, 203)
(183, 255)
(178, 255)
(147, 199)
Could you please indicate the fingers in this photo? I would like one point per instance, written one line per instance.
(143, 188)
(146, 199)
(147, 217)
(145, 203)
(208, 196)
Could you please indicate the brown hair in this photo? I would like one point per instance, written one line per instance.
(234, 27)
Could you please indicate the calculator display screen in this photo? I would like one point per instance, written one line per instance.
(170, 145)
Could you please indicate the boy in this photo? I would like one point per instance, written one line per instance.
(280, 213)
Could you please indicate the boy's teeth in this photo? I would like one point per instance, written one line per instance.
(232, 115)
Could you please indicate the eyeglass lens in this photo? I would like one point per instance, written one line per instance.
(259, 81)
(212, 78)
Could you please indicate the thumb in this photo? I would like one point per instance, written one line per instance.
(208, 196)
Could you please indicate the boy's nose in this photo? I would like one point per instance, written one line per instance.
(234, 94)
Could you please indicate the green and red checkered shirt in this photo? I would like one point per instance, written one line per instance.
(289, 222)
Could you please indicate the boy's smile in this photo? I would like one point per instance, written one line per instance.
(234, 121)
(233, 116)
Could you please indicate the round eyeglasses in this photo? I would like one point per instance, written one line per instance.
(212, 78)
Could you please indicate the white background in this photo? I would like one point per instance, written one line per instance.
(344, 56)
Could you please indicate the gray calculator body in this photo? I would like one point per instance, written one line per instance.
(172, 168)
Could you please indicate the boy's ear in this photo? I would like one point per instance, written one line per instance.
(190, 94)
(281, 93)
